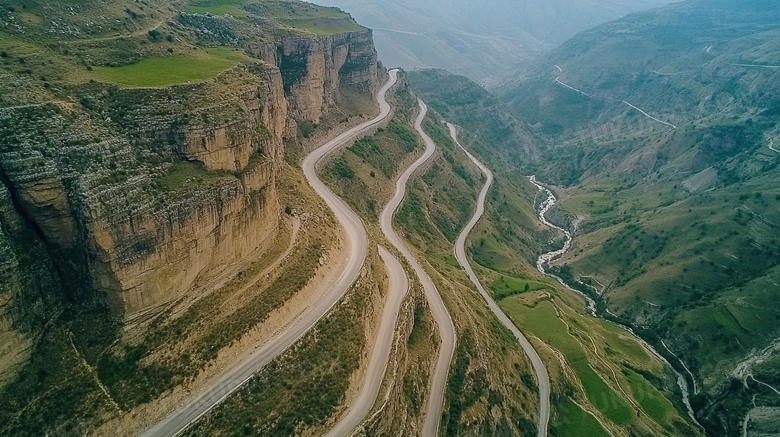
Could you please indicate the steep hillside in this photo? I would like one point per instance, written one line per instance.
(482, 40)
(658, 131)
(144, 185)
(489, 372)
(594, 366)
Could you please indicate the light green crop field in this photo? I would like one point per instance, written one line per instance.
(490, 253)
(543, 321)
(312, 18)
(601, 395)
(156, 72)
(573, 420)
(622, 344)
(185, 175)
(299, 10)
(649, 398)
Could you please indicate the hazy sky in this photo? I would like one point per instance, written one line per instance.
(481, 39)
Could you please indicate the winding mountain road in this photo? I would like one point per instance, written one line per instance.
(438, 309)
(398, 286)
(460, 254)
(357, 247)
(559, 82)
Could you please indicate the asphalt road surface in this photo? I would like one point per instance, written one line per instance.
(439, 311)
(460, 254)
(398, 286)
(357, 247)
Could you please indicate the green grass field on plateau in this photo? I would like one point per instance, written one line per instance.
(218, 7)
(319, 20)
(164, 71)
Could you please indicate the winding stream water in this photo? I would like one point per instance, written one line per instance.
(545, 258)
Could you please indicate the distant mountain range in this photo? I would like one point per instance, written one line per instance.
(661, 131)
(481, 40)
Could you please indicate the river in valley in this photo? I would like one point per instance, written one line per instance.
(545, 259)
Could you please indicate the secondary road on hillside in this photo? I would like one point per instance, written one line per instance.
(398, 286)
(460, 254)
(440, 314)
(559, 82)
(357, 247)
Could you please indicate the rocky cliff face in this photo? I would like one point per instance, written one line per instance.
(28, 289)
(222, 202)
(314, 67)
(133, 195)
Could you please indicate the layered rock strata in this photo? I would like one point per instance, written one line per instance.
(132, 196)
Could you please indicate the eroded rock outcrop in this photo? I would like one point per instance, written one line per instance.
(157, 188)
(133, 199)
(28, 292)
(313, 68)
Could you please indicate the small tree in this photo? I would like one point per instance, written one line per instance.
(154, 35)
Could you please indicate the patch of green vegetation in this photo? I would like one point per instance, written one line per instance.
(620, 344)
(186, 175)
(341, 169)
(420, 345)
(572, 421)
(218, 7)
(451, 261)
(324, 26)
(320, 20)
(650, 399)
(411, 217)
(465, 385)
(489, 253)
(420, 328)
(403, 134)
(601, 395)
(280, 291)
(365, 147)
(306, 128)
(508, 285)
(543, 321)
(384, 149)
(165, 71)
(301, 10)
(73, 402)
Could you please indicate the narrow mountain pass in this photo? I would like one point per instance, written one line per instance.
(357, 248)
(397, 288)
(542, 377)
(439, 310)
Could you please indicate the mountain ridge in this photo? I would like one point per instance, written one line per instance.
(656, 130)
(483, 41)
